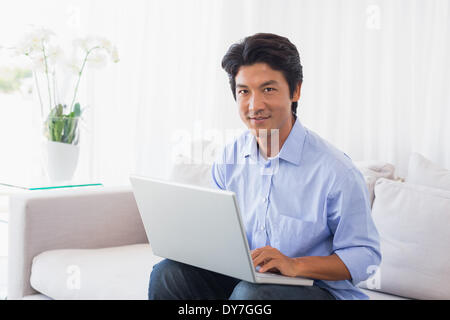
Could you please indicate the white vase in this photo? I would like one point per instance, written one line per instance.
(62, 160)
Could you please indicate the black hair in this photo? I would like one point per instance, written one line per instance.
(277, 51)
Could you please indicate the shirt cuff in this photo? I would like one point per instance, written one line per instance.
(358, 261)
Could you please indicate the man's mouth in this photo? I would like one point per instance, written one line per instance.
(259, 118)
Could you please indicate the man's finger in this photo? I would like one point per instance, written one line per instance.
(260, 249)
(254, 253)
(257, 252)
(263, 255)
(258, 259)
(263, 258)
(269, 265)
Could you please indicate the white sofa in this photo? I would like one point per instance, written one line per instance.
(89, 243)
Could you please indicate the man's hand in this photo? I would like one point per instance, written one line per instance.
(330, 268)
(273, 260)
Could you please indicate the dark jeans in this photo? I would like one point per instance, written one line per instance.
(171, 280)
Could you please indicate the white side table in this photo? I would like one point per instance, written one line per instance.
(5, 193)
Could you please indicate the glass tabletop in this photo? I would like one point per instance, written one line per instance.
(42, 186)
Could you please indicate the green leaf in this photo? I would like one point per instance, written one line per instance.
(62, 127)
(71, 129)
(77, 110)
(65, 134)
(59, 110)
(58, 125)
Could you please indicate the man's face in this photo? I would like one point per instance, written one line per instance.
(263, 98)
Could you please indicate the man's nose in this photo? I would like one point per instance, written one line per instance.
(256, 103)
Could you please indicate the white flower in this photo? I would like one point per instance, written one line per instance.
(53, 54)
(83, 43)
(40, 51)
(44, 33)
(37, 45)
(34, 41)
(97, 59)
(93, 45)
(38, 62)
(105, 44)
(73, 65)
(88, 43)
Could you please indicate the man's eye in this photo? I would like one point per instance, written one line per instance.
(242, 91)
(269, 89)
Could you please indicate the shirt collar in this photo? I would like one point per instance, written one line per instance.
(291, 150)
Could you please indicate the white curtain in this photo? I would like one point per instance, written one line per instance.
(376, 77)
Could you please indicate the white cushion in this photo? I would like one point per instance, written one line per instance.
(194, 167)
(116, 280)
(425, 172)
(107, 273)
(372, 171)
(187, 172)
(413, 223)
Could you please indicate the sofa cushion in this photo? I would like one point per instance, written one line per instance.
(372, 171)
(193, 164)
(187, 172)
(108, 273)
(412, 221)
(425, 172)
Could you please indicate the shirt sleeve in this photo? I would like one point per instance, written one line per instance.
(356, 239)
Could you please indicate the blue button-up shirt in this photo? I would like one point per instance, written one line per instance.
(309, 200)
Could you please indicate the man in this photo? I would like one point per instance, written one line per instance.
(304, 204)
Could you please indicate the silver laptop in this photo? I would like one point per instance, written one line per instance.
(201, 227)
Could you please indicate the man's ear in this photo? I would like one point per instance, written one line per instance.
(297, 91)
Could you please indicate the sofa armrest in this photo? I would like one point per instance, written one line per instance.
(79, 218)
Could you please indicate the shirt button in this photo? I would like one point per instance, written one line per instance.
(264, 199)
(262, 228)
